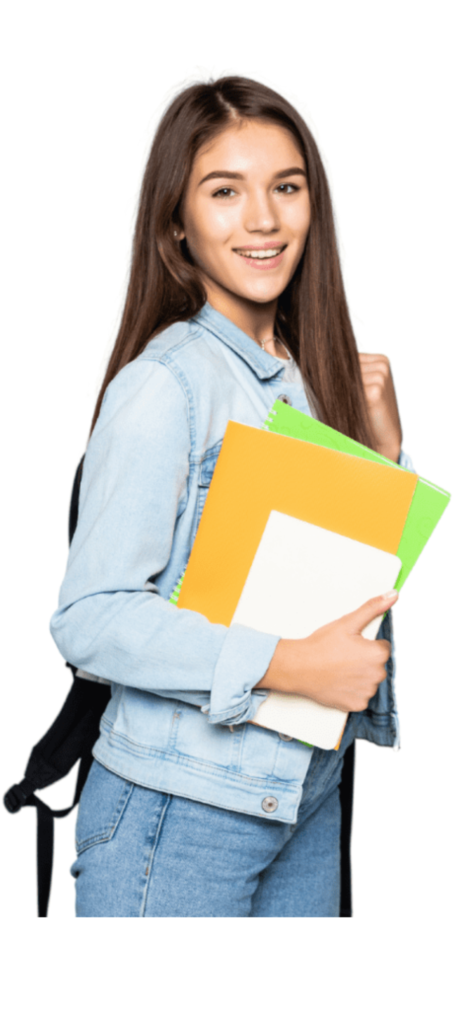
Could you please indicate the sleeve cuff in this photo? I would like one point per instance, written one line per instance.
(405, 462)
(245, 657)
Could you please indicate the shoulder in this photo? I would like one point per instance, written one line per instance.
(166, 381)
(171, 342)
(178, 352)
(156, 365)
(190, 351)
(145, 391)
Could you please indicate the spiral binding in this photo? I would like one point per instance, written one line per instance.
(268, 419)
(175, 593)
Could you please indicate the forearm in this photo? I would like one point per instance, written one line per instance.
(292, 670)
(287, 662)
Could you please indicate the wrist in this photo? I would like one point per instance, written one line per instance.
(286, 664)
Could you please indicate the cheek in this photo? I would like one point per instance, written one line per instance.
(218, 226)
(209, 228)
(302, 225)
(298, 221)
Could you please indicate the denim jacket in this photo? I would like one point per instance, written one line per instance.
(181, 686)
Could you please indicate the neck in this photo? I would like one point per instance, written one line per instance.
(256, 319)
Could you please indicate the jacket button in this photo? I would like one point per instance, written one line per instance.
(284, 398)
(270, 803)
(283, 736)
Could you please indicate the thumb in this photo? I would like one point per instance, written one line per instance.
(360, 617)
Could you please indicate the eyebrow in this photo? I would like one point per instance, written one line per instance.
(288, 173)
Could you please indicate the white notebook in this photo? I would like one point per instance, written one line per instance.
(302, 577)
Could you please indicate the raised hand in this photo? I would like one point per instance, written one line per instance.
(382, 403)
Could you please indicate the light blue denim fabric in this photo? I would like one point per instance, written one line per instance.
(144, 853)
(181, 686)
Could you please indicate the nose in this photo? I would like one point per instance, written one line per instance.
(260, 213)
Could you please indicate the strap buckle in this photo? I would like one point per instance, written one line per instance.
(15, 798)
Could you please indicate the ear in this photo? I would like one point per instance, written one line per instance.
(178, 234)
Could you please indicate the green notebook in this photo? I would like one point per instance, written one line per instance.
(428, 503)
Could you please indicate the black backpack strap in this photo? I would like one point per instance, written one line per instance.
(45, 835)
(69, 739)
(22, 796)
(74, 502)
(347, 799)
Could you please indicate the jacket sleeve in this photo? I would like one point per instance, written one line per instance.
(111, 621)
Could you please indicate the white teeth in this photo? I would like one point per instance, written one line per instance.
(262, 254)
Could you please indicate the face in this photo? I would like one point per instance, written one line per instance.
(246, 213)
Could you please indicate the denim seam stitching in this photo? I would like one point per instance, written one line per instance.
(190, 796)
(152, 855)
(216, 772)
(193, 331)
(104, 837)
(166, 360)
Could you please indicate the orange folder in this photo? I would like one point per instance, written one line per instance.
(258, 471)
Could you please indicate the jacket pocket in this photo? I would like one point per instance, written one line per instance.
(103, 801)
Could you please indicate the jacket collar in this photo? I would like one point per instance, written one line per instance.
(263, 364)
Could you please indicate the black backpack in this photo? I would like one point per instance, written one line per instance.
(72, 737)
(69, 739)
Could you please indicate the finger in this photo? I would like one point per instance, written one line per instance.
(375, 375)
(360, 617)
(371, 357)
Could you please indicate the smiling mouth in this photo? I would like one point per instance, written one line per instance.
(261, 254)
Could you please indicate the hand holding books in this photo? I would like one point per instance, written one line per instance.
(300, 526)
(335, 665)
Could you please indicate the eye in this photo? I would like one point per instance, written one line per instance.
(285, 186)
(224, 193)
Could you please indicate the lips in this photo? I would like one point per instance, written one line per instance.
(262, 257)
(261, 252)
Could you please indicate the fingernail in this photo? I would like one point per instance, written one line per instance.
(388, 597)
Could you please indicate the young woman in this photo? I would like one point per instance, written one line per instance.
(235, 299)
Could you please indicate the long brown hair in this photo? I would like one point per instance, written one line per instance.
(165, 287)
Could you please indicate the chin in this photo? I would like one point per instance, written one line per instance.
(263, 296)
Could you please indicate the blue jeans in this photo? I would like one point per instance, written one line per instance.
(144, 853)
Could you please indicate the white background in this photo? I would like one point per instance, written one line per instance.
(84, 86)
